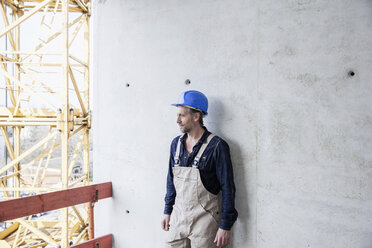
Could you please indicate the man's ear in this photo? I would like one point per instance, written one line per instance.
(197, 116)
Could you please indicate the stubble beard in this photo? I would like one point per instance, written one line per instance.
(184, 129)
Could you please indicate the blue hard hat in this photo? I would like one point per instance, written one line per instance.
(193, 99)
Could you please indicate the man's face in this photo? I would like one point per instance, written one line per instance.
(185, 120)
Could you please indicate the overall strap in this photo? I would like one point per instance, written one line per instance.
(201, 151)
(177, 156)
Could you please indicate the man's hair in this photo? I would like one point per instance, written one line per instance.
(194, 111)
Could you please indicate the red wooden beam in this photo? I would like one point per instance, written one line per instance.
(101, 242)
(25, 206)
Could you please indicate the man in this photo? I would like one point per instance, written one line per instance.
(199, 168)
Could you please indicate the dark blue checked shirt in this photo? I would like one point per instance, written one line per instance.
(216, 173)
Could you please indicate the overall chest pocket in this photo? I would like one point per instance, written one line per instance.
(184, 179)
(185, 174)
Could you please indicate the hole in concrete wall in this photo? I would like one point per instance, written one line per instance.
(127, 85)
(351, 73)
(187, 82)
(127, 211)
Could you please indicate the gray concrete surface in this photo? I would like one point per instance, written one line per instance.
(277, 76)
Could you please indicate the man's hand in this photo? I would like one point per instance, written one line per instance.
(165, 222)
(222, 237)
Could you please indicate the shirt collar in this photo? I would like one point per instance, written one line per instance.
(205, 135)
(203, 138)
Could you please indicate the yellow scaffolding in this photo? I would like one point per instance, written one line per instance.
(37, 79)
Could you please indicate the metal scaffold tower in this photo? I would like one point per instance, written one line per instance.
(45, 73)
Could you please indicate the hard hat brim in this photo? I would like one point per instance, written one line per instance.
(176, 105)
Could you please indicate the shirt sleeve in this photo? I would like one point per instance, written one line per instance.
(225, 176)
(171, 190)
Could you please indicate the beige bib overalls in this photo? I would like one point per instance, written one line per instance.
(195, 217)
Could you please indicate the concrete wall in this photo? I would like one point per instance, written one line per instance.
(276, 74)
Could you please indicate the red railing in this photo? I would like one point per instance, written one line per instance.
(25, 206)
(101, 242)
